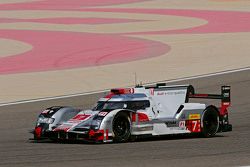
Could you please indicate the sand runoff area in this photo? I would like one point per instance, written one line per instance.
(60, 47)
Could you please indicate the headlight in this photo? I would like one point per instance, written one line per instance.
(96, 124)
(45, 120)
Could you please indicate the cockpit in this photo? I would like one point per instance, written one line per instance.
(124, 101)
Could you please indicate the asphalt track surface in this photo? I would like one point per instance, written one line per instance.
(227, 149)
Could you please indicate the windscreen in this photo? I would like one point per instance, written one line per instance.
(131, 105)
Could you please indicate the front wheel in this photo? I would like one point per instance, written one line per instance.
(210, 122)
(121, 127)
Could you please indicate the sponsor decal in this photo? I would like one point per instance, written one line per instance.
(162, 93)
(182, 124)
(78, 118)
(226, 103)
(62, 128)
(81, 117)
(103, 114)
(141, 129)
(194, 116)
(171, 124)
(226, 94)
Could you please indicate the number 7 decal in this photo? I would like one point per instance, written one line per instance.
(196, 126)
(193, 125)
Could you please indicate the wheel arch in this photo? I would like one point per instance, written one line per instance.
(211, 107)
(122, 126)
(108, 119)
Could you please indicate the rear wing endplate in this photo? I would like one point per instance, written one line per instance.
(225, 97)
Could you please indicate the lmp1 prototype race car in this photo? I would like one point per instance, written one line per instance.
(127, 113)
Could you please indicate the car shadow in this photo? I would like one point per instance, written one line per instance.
(140, 139)
(174, 137)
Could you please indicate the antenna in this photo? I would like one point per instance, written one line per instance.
(135, 79)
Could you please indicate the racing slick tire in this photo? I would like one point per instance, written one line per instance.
(210, 122)
(121, 127)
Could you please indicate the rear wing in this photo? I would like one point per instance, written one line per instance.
(225, 97)
(184, 92)
(168, 98)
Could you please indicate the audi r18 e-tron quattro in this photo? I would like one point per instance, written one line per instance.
(140, 111)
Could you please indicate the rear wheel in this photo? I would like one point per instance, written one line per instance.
(210, 122)
(121, 127)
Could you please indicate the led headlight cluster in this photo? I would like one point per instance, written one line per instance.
(96, 124)
(45, 120)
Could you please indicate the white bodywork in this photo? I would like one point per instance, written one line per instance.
(157, 110)
(162, 112)
(166, 112)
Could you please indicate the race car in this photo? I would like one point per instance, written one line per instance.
(126, 113)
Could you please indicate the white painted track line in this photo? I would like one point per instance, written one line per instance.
(102, 91)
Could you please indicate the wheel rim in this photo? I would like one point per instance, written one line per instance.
(120, 127)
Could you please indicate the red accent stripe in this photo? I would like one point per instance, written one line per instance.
(107, 134)
(133, 117)
(110, 95)
(199, 95)
(38, 132)
(96, 135)
(100, 135)
(223, 109)
(141, 117)
(80, 117)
